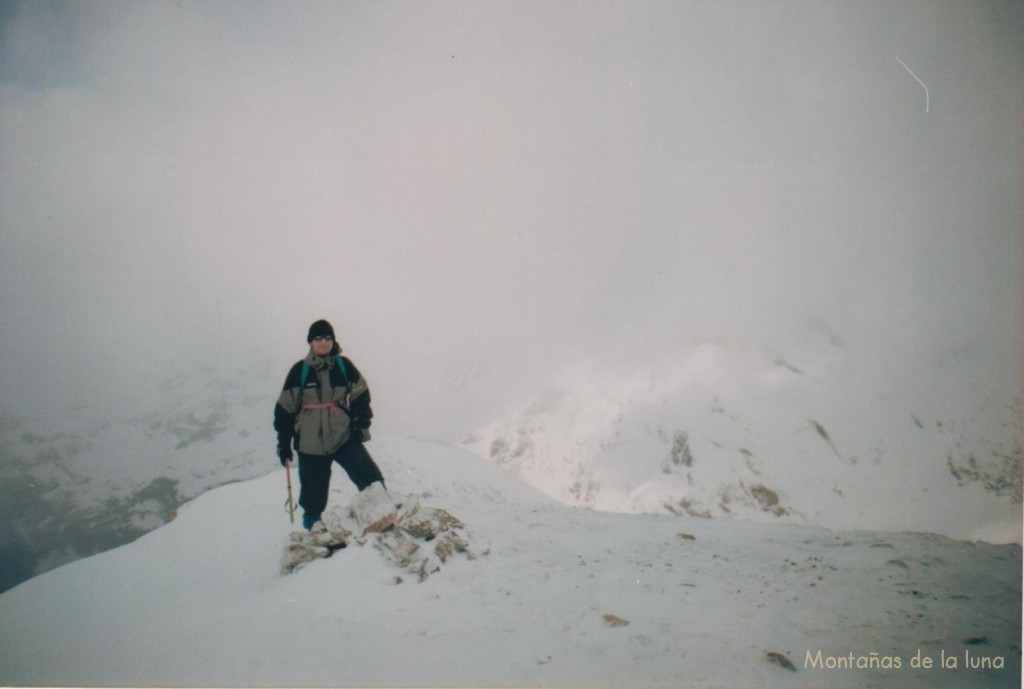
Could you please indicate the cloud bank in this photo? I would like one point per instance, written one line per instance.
(478, 194)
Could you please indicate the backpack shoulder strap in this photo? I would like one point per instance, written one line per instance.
(341, 367)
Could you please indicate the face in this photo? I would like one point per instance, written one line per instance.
(321, 346)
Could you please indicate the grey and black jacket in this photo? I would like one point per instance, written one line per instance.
(322, 415)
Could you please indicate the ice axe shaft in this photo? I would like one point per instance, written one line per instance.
(289, 504)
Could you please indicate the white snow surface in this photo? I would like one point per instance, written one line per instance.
(563, 597)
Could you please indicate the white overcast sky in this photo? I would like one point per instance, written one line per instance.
(502, 186)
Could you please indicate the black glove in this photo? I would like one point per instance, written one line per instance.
(284, 453)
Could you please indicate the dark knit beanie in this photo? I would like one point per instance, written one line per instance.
(319, 329)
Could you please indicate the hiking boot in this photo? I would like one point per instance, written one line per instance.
(310, 520)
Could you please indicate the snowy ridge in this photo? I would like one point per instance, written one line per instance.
(87, 479)
(727, 433)
(564, 597)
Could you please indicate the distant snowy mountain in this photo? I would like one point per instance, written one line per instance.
(84, 480)
(556, 597)
(808, 438)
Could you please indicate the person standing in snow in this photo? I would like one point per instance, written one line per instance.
(324, 412)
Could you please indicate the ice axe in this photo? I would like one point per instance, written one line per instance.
(289, 504)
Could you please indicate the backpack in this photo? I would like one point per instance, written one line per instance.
(341, 367)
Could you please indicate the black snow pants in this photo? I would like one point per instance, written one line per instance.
(315, 474)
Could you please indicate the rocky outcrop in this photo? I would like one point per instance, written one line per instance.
(413, 538)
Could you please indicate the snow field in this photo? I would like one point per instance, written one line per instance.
(563, 597)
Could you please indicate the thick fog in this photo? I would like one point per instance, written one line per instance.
(478, 193)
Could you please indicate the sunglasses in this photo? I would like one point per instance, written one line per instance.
(323, 338)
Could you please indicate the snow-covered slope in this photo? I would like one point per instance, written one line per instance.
(813, 437)
(563, 597)
(82, 480)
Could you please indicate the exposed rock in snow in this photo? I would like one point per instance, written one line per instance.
(780, 660)
(615, 621)
(373, 509)
(318, 542)
(416, 539)
(423, 539)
